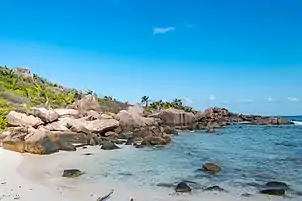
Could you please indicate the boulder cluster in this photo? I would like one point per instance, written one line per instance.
(44, 131)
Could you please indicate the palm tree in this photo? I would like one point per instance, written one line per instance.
(88, 92)
(145, 100)
(177, 103)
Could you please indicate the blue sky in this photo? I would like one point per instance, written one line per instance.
(240, 54)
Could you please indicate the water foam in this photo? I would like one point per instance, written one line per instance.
(297, 123)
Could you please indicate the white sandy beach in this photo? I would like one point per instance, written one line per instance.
(30, 177)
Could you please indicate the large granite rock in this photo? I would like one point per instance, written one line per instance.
(19, 119)
(217, 117)
(68, 113)
(28, 139)
(92, 115)
(45, 115)
(153, 135)
(56, 126)
(130, 120)
(176, 118)
(96, 126)
(41, 141)
(88, 102)
(269, 120)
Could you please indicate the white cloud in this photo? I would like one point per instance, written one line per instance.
(187, 100)
(161, 30)
(212, 97)
(270, 99)
(293, 99)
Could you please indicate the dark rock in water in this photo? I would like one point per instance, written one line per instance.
(170, 130)
(138, 146)
(246, 195)
(277, 184)
(165, 185)
(126, 174)
(274, 188)
(298, 193)
(214, 188)
(87, 154)
(125, 136)
(182, 187)
(210, 130)
(130, 141)
(279, 191)
(154, 140)
(67, 146)
(211, 168)
(72, 173)
(84, 147)
(107, 145)
(117, 141)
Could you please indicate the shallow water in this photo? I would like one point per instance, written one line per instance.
(249, 157)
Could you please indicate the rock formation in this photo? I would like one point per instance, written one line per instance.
(176, 118)
(45, 131)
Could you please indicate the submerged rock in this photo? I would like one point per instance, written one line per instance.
(107, 145)
(210, 130)
(277, 184)
(87, 154)
(211, 168)
(214, 188)
(72, 173)
(274, 188)
(183, 187)
(246, 195)
(279, 191)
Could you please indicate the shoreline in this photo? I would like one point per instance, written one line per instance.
(40, 175)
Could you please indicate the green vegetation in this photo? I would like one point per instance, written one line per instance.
(36, 90)
(22, 91)
(5, 108)
(145, 101)
(158, 105)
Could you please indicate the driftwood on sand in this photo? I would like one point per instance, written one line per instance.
(106, 196)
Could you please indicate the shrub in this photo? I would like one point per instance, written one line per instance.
(5, 108)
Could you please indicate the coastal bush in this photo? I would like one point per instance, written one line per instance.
(5, 108)
(159, 105)
(37, 91)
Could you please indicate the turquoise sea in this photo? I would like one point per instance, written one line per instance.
(249, 157)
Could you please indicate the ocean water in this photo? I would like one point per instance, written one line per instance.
(249, 157)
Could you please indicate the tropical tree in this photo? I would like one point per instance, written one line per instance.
(88, 92)
(145, 101)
